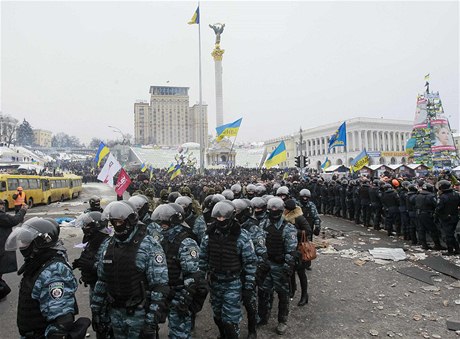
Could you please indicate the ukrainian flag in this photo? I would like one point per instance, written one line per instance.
(326, 163)
(170, 168)
(361, 160)
(143, 167)
(228, 130)
(339, 138)
(176, 172)
(196, 17)
(151, 171)
(277, 156)
(427, 77)
(102, 151)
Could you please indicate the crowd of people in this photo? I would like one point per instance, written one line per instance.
(233, 235)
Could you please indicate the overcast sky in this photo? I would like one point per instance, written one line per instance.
(77, 67)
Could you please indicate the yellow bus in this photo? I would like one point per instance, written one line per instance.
(39, 189)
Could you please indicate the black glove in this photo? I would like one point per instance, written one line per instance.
(261, 274)
(148, 332)
(100, 327)
(75, 264)
(83, 263)
(316, 230)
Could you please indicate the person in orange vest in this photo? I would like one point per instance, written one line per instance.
(19, 199)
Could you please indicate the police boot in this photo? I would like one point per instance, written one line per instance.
(221, 328)
(413, 237)
(438, 246)
(283, 312)
(251, 311)
(4, 289)
(425, 246)
(450, 251)
(263, 302)
(231, 330)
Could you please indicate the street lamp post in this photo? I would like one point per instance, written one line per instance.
(116, 129)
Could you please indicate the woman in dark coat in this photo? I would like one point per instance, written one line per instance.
(294, 215)
(8, 262)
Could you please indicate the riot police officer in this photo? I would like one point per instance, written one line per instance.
(425, 204)
(412, 212)
(390, 202)
(447, 212)
(375, 204)
(243, 213)
(228, 257)
(182, 255)
(94, 204)
(259, 206)
(281, 242)
(47, 304)
(132, 299)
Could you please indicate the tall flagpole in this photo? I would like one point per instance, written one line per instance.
(201, 97)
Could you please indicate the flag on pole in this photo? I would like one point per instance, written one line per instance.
(196, 17)
(143, 167)
(102, 151)
(111, 167)
(277, 156)
(326, 163)
(228, 130)
(170, 168)
(361, 160)
(176, 172)
(151, 172)
(339, 138)
(427, 77)
(122, 183)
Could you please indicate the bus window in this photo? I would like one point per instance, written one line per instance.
(2, 186)
(12, 184)
(24, 183)
(34, 184)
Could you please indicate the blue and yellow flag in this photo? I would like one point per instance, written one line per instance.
(196, 17)
(143, 167)
(326, 163)
(151, 171)
(170, 168)
(277, 156)
(339, 138)
(361, 160)
(102, 151)
(427, 77)
(228, 130)
(176, 172)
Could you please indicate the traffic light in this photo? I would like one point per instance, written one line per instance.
(297, 161)
(306, 162)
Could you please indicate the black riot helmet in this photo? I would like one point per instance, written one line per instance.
(428, 187)
(95, 203)
(228, 194)
(33, 236)
(123, 218)
(168, 215)
(186, 203)
(412, 188)
(444, 185)
(91, 223)
(223, 212)
(173, 196)
(243, 209)
(141, 204)
(275, 208)
(236, 189)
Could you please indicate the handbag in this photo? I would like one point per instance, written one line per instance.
(306, 248)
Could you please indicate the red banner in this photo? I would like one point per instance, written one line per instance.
(122, 183)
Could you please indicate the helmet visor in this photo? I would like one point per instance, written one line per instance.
(20, 238)
(83, 220)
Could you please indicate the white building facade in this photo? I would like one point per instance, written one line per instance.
(383, 139)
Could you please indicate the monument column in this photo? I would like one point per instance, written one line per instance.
(217, 54)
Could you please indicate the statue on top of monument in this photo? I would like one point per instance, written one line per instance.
(218, 29)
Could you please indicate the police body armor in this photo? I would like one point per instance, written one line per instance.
(402, 200)
(374, 196)
(410, 203)
(306, 211)
(424, 202)
(171, 249)
(223, 252)
(390, 201)
(31, 323)
(89, 276)
(274, 242)
(451, 202)
(125, 283)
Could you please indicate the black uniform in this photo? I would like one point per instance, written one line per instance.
(447, 212)
(390, 202)
(425, 204)
(376, 206)
(412, 213)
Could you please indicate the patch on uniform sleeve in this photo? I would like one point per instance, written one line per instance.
(261, 241)
(193, 253)
(56, 290)
(293, 236)
(159, 258)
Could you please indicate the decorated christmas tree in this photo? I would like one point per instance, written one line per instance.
(431, 141)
